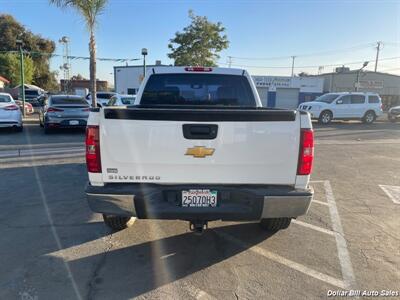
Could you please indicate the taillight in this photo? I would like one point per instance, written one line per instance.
(198, 69)
(11, 107)
(92, 142)
(53, 109)
(306, 153)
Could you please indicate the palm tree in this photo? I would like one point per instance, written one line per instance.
(90, 10)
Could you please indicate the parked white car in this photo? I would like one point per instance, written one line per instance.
(344, 106)
(121, 100)
(102, 98)
(10, 114)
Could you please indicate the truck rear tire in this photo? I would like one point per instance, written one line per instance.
(116, 223)
(275, 224)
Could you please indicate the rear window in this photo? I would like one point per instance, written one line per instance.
(198, 89)
(5, 99)
(61, 100)
(373, 99)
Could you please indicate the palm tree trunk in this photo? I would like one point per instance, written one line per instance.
(92, 51)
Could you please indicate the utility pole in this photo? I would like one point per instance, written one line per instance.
(378, 48)
(293, 57)
(21, 62)
(230, 61)
(144, 53)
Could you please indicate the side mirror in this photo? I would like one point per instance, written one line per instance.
(339, 102)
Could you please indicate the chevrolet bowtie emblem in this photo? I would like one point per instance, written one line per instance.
(200, 151)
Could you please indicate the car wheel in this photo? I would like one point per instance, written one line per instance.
(275, 224)
(19, 128)
(369, 117)
(325, 117)
(117, 223)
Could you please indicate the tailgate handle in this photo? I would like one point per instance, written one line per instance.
(200, 131)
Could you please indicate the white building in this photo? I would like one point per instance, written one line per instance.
(274, 91)
(287, 92)
(127, 79)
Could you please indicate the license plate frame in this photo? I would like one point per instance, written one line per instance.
(199, 198)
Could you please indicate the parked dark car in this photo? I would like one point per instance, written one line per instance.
(64, 111)
(394, 114)
(33, 97)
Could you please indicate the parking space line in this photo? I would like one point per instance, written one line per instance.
(392, 191)
(314, 227)
(317, 181)
(343, 252)
(287, 262)
(320, 202)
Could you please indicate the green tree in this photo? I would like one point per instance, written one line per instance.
(10, 68)
(89, 10)
(199, 43)
(10, 31)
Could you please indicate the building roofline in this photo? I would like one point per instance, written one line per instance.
(352, 72)
(141, 66)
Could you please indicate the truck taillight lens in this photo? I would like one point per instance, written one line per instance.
(92, 141)
(306, 153)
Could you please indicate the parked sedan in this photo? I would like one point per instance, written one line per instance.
(10, 114)
(394, 114)
(121, 100)
(101, 97)
(64, 111)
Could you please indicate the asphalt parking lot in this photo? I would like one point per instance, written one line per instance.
(53, 247)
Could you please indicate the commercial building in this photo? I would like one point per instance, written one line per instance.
(127, 79)
(287, 92)
(274, 91)
(75, 86)
(345, 80)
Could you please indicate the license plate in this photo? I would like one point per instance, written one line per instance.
(199, 198)
(74, 122)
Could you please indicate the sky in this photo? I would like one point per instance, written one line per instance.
(318, 33)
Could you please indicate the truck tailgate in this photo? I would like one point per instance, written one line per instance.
(250, 146)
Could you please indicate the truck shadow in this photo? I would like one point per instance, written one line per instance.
(129, 272)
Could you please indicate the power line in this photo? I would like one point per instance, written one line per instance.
(33, 53)
(358, 47)
(314, 66)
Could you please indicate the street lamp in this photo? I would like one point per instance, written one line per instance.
(144, 53)
(21, 62)
(358, 75)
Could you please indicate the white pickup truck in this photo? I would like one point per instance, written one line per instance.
(197, 145)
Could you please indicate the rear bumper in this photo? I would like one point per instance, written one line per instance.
(235, 202)
(65, 121)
